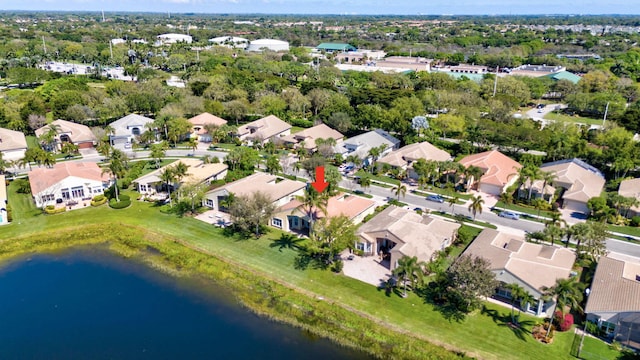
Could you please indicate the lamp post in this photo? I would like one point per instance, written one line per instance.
(587, 291)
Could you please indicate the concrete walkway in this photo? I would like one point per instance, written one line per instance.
(366, 269)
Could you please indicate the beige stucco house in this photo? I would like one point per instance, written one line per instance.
(579, 180)
(200, 122)
(197, 173)
(269, 128)
(532, 266)
(397, 232)
(404, 157)
(13, 144)
(614, 298)
(77, 134)
(309, 136)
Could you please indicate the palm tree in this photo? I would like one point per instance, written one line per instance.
(312, 202)
(476, 205)
(365, 181)
(193, 144)
(507, 198)
(400, 189)
(104, 148)
(580, 232)
(517, 293)
(552, 232)
(410, 270)
(472, 175)
(117, 168)
(566, 292)
(180, 170)
(452, 200)
(547, 178)
(168, 176)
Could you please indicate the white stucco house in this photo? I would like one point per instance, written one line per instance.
(128, 128)
(13, 144)
(67, 183)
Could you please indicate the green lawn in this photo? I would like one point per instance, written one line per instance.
(575, 119)
(483, 334)
(628, 230)
(32, 141)
(462, 198)
(524, 209)
(596, 349)
(384, 179)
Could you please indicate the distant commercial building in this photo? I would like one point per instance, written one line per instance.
(268, 44)
(230, 41)
(536, 70)
(335, 47)
(168, 39)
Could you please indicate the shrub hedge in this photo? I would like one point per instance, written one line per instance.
(98, 200)
(125, 201)
(51, 209)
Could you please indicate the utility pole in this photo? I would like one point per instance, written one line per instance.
(495, 83)
(44, 45)
(606, 110)
(111, 49)
(103, 20)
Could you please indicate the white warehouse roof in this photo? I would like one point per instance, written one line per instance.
(271, 44)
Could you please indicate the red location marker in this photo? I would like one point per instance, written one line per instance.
(320, 184)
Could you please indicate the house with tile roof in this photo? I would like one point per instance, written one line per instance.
(360, 145)
(280, 190)
(13, 144)
(614, 298)
(128, 128)
(4, 214)
(631, 188)
(308, 137)
(200, 122)
(293, 217)
(404, 157)
(515, 261)
(77, 134)
(397, 232)
(67, 183)
(197, 173)
(579, 181)
(263, 130)
(500, 171)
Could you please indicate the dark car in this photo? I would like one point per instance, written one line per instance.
(435, 198)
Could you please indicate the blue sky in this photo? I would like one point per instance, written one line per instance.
(403, 7)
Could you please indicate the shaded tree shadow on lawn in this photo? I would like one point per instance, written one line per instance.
(504, 320)
(449, 308)
(287, 241)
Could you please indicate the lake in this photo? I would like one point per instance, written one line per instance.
(92, 304)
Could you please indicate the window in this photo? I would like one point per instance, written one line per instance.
(276, 222)
(77, 192)
(209, 203)
(135, 131)
(48, 197)
(65, 194)
(143, 188)
(360, 246)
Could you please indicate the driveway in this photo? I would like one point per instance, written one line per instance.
(366, 269)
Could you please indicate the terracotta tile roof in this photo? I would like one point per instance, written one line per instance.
(413, 152)
(206, 119)
(498, 168)
(12, 140)
(581, 180)
(273, 186)
(415, 235)
(264, 128)
(43, 178)
(78, 133)
(631, 188)
(615, 286)
(341, 204)
(310, 135)
(535, 264)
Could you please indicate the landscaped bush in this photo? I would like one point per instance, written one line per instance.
(125, 201)
(98, 200)
(301, 123)
(51, 209)
(564, 323)
(9, 213)
(635, 221)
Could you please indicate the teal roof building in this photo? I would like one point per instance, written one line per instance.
(564, 75)
(335, 47)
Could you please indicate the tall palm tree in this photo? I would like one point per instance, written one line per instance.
(117, 168)
(180, 170)
(553, 233)
(452, 200)
(168, 176)
(476, 205)
(365, 182)
(517, 292)
(410, 270)
(579, 232)
(507, 198)
(472, 175)
(193, 145)
(547, 178)
(400, 189)
(567, 293)
(312, 202)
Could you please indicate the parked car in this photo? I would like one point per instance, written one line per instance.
(509, 215)
(436, 198)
